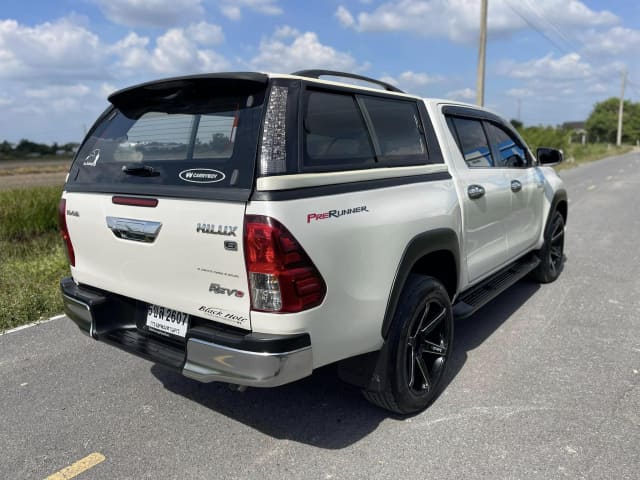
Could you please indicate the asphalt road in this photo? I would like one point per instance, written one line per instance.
(545, 384)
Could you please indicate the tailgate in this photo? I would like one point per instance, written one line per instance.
(156, 195)
(183, 254)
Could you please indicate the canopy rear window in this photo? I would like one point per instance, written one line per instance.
(199, 134)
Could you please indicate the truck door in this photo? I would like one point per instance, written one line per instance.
(486, 198)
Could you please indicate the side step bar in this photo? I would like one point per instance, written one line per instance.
(479, 295)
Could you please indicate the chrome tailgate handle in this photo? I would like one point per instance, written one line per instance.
(136, 230)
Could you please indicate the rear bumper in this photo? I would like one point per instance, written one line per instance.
(209, 353)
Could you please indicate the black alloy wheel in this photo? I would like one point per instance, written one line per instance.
(552, 252)
(556, 245)
(427, 347)
(418, 345)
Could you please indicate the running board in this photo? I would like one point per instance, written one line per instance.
(479, 295)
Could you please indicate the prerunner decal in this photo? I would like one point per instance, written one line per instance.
(335, 213)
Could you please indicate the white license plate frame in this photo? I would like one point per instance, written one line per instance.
(167, 321)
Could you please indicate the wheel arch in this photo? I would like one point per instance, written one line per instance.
(434, 253)
(560, 204)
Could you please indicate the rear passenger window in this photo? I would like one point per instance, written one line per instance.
(335, 134)
(473, 142)
(397, 130)
(510, 153)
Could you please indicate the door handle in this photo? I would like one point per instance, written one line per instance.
(475, 191)
(516, 186)
(136, 230)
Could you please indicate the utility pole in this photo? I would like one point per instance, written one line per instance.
(482, 51)
(621, 109)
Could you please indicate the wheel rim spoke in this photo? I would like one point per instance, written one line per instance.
(557, 236)
(424, 371)
(432, 324)
(412, 366)
(427, 307)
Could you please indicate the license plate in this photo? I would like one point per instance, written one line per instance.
(165, 320)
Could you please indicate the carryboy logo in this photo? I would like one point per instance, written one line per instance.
(202, 175)
(212, 229)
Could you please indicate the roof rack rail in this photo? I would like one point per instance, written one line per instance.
(332, 73)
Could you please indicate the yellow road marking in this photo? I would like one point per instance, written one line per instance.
(77, 468)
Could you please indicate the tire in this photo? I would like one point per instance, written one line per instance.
(552, 252)
(420, 342)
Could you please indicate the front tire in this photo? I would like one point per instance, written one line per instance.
(420, 342)
(552, 252)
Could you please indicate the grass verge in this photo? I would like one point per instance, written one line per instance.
(578, 154)
(32, 258)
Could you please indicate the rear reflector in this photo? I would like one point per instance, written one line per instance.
(282, 277)
(135, 201)
(64, 231)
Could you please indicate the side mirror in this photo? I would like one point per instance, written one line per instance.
(549, 156)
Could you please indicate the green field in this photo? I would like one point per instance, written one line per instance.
(32, 258)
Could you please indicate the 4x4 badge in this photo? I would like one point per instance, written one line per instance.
(228, 230)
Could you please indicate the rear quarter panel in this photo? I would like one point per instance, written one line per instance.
(358, 255)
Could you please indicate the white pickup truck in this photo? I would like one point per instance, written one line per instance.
(248, 228)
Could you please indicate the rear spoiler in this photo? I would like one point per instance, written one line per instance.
(179, 88)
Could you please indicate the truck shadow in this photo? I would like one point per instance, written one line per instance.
(321, 410)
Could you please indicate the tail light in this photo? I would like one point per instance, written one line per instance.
(64, 231)
(282, 277)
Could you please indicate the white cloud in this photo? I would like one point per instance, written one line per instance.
(205, 33)
(52, 49)
(568, 67)
(598, 88)
(232, 9)
(344, 17)
(303, 51)
(519, 92)
(286, 32)
(58, 91)
(463, 95)
(615, 41)
(411, 81)
(458, 20)
(177, 51)
(151, 13)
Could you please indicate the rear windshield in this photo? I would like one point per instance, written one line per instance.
(199, 137)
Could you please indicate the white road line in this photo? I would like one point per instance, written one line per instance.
(29, 325)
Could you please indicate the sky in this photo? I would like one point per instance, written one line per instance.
(548, 61)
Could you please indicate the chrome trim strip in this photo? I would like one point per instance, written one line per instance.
(132, 229)
(209, 362)
(302, 180)
(78, 312)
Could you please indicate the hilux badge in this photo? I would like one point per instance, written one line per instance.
(228, 230)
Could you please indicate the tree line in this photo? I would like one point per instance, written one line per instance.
(26, 148)
(600, 127)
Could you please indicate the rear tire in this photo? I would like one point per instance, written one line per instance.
(552, 252)
(420, 342)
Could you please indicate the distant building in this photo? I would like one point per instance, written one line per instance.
(578, 131)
